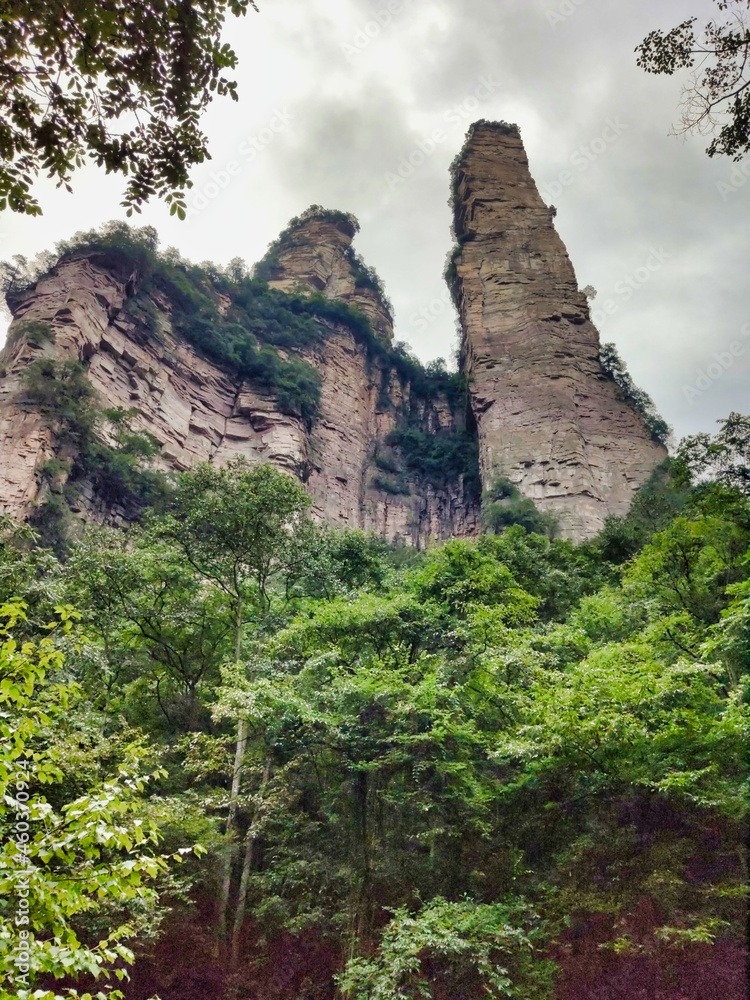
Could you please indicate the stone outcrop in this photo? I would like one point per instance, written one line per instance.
(315, 253)
(548, 416)
(199, 412)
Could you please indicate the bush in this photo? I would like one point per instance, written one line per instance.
(504, 505)
(396, 486)
(66, 399)
(615, 368)
(37, 334)
(438, 458)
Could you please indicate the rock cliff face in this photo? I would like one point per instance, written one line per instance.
(199, 412)
(548, 416)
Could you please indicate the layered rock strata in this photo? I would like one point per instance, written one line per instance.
(199, 412)
(548, 416)
(316, 254)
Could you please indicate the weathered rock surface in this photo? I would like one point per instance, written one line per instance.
(548, 416)
(198, 412)
(317, 254)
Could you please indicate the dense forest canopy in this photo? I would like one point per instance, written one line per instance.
(385, 773)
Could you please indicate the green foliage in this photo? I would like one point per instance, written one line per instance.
(690, 564)
(460, 575)
(555, 571)
(717, 100)
(235, 526)
(443, 768)
(35, 333)
(65, 397)
(450, 271)
(65, 81)
(28, 571)
(504, 505)
(61, 860)
(654, 506)
(439, 458)
(393, 485)
(365, 276)
(723, 456)
(164, 631)
(614, 367)
(483, 947)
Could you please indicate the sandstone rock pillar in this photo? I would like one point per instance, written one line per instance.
(548, 416)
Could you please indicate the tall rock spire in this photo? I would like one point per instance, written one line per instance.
(549, 417)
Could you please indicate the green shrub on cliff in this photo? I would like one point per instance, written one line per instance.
(504, 504)
(439, 457)
(118, 471)
(616, 369)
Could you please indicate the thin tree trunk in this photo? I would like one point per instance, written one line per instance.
(361, 793)
(250, 839)
(226, 884)
(239, 756)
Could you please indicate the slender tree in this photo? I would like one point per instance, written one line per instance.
(235, 526)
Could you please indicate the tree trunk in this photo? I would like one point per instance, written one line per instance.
(239, 756)
(247, 864)
(226, 884)
(364, 907)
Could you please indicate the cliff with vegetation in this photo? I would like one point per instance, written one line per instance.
(294, 366)
(248, 752)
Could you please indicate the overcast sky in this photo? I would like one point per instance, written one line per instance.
(335, 93)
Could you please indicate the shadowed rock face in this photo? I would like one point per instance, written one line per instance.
(548, 416)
